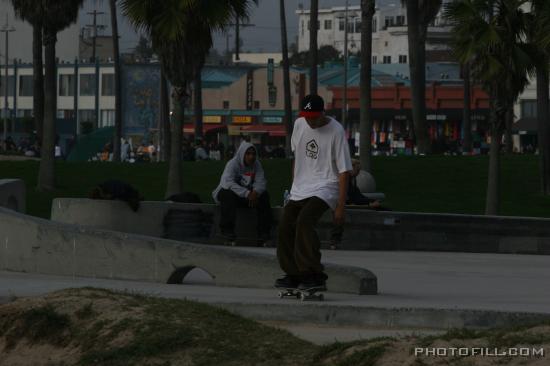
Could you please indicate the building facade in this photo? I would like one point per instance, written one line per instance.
(389, 38)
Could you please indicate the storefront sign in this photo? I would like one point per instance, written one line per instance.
(250, 90)
(242, 119)
(212, 119)
(272, 119)
(434, 117)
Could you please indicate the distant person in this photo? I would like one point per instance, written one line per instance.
(243, 184)
(355, 197)
(117, 190)
(125, 151)
(200, 152)
(320, 181)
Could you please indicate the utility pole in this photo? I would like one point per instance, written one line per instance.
(6, 29)
(345, 95)
(237, 38)
(94, 27)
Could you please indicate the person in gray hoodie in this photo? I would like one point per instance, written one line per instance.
(243, 184)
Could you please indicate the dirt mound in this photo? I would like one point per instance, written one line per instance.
(100, 327)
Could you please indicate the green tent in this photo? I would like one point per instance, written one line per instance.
(89, 145)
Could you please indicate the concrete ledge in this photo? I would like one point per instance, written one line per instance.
(385, 318)
(364, 229)
(13, 194)
(29, 244)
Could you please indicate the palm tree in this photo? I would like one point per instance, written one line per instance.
(181, 31)
(420, 13)
(286, 78)
(29, 11)
(197, 93)
(539, 35)
(164, 117)
(53, 16)
(313, 55)
(118, 83)
(367, 13)
(492, 38)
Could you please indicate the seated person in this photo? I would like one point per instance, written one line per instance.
(355, 197)
(243, 184)
(117, 190)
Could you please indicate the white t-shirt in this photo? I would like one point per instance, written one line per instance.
(321, 154)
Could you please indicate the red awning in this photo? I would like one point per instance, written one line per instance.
(189, 128)
(272, 130)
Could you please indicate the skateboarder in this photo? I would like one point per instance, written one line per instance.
(320, 180)
(243, 184)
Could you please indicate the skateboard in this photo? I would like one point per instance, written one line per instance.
(303, 295)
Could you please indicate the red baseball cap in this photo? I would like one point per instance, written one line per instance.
(312, 106)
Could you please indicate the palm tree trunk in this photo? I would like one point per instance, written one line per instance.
(543, 114)
(46, 173)
(175, 172)
(492, 200)
(165, 117)
(417, 64)
(118, 84)
(197, 93)
(38, 81)
(508, 128)
(313, 56)
(365, 126)
(466, 112)
(286, 79)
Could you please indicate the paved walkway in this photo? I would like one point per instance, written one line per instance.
(416, 290)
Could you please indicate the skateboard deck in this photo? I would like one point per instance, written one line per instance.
(303, 295)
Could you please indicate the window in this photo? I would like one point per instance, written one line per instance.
(400, 20)
(65, 113)
(66, 85)
(386, 60)
(374, 25)
(528, 108)
(87, 84)
(108, 85)
(328, 24)
(256, 104)
(357, 25)
(341, 24)
(303, 27)
(225, 104)
(402, 59)
(86, 115)
(22, 113)
(11, 80)
(107, 118)
(374, 59)
(388, 22)
(26, 86)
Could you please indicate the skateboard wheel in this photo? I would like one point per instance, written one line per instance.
(321, 297)
(281, 294)
(302, 297)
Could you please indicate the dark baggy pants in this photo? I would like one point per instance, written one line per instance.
(299, 247)
(229, 201)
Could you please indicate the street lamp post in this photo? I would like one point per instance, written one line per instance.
(6, 29)
(345, 95)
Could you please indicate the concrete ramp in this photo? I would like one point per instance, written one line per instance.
(29, 244)
(12, 194)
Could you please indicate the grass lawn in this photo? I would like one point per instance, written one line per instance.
(446, 184)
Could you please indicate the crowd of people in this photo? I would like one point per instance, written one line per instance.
(24, 146)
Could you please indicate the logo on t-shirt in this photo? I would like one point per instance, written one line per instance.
(312, 149)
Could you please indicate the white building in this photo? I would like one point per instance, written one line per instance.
(20, 95)
(389, 39)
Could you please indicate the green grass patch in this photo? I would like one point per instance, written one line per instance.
(438, 184)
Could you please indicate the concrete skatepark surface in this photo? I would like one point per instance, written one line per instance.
(418, 293)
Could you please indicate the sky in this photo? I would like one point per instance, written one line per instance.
(265, 36)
